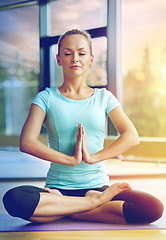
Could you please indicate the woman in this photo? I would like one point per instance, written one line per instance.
(77, 184)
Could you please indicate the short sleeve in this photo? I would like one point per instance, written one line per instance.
(41, 99)
(111, 101)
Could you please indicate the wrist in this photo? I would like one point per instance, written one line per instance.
(75, 161)
(97, 157)
(89, 159)
(92, 159)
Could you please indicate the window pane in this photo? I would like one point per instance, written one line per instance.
(82, 14)
(97, 75)
(19, 66)
(97, 72)
(144, 65)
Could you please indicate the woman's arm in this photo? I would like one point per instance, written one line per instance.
(128, 138)
(30, 144)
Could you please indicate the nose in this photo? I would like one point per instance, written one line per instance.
(75, 58)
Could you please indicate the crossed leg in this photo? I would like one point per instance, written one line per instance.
(110, 212)
(117, 204)
(53, 205)
(126, 207)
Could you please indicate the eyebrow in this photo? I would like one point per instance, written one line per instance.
(78, 49)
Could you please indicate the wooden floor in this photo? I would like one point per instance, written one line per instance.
(92, 235)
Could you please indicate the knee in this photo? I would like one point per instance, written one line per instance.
(10, 201)
(143, 213)
(157, 210)
(153, 210)
(21, 202)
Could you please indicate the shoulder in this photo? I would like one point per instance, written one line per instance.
(42, 98)
(44, 94)
(109, 100)
(48, 91)
(103, 92)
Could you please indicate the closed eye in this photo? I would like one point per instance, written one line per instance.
(67, 54)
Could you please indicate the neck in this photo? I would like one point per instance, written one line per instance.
(74, 84)
(76, 89)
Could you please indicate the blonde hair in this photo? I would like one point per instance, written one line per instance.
(74, 32)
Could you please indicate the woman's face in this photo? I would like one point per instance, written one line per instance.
(75, 57)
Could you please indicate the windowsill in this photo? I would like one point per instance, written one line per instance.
(150, 149)
(143, 161)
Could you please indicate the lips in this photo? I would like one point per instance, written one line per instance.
(75, 67)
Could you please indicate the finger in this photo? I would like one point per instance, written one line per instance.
(52, 191)
(46, 189)
(83, 131)
(78, 130)
(79, 133)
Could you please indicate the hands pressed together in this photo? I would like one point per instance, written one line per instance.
(81, 149)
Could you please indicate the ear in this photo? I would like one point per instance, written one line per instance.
(91, 61)
(58, 60)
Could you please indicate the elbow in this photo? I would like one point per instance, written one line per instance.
(25, 146)
(138, 140)
(135, 140)
(22, 147)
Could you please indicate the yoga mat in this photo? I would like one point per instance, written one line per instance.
(10, 224)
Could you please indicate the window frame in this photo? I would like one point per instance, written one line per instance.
(112, 32)
(114, 75)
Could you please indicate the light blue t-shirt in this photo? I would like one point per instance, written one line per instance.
(62, 118)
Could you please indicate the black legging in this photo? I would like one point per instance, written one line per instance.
(138, 207)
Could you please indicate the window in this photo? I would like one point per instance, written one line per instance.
(144, 65)
(19, 66)
(80, 14)
(66, 15)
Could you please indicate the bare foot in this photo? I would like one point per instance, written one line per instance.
(49, 190)
(110, 192)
